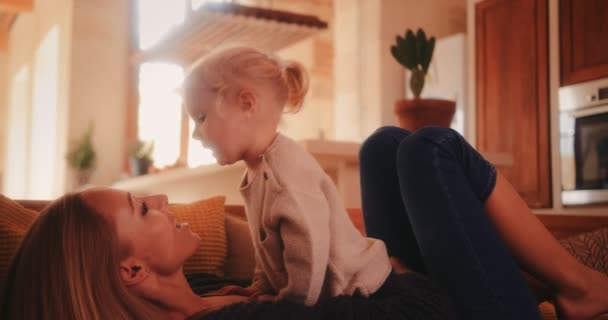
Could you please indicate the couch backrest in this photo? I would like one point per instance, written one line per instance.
(560, 226)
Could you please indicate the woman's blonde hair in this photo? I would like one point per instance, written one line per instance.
(229, 70)
(67, 267)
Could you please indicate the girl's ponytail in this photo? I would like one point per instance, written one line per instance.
(296, 81)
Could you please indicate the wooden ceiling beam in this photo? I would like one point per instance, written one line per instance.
(16, 5)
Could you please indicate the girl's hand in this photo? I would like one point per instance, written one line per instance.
(239, 291)
(265, 297)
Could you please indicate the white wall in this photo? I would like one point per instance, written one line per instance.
(92, 57)
(25, 39)
(315, 119)
(368, 79)
(99, 81)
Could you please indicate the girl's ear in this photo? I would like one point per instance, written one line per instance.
(133, 271)
(247, 101)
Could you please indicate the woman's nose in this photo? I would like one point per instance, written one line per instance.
(160, 201)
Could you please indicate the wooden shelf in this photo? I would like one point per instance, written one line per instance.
(226, 24)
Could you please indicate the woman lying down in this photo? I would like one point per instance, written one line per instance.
(105, 254)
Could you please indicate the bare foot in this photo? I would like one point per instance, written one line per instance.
(399, 266)
(587, 303)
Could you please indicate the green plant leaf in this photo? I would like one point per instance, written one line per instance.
(411, 54)
(142, 150)
(420, 46)
(397, 55)
(429, 49)
(400, 42)
(82, 156)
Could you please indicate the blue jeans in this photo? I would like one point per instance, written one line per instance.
(423, 195)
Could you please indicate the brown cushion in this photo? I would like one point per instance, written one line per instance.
(206, 218)
(14, 222)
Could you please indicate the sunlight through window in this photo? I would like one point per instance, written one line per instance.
(160, 110)
(44, 140)
(16, 166)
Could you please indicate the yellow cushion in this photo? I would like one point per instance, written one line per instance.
(206, 218)
(14, 222)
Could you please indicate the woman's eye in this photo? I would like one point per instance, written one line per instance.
(201, 118)
(144, 208)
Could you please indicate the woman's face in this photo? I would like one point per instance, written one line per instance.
(147, 227)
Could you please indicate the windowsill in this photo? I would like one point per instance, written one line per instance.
(173, 175)
(338, 158)
(347, 151)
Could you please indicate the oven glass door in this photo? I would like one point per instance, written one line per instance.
(591, 152)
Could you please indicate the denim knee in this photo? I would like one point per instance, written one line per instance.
(431, 137)
(414, 151)
(437, 134)
(420, 148)
(384, 140)
(428, 145)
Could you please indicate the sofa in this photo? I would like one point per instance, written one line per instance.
(236, 257)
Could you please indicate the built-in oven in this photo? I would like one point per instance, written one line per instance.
(583, 126)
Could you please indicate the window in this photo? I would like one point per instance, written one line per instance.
(33, 165)
(16, 173)
(44, 142)
(160, 110)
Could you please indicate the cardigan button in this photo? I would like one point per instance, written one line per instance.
(265, 176)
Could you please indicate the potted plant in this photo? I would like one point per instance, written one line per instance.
(141, 157)
(415, 52)
(82, 157)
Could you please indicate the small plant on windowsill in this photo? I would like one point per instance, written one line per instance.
(141, 157)
(82, 157)
(415, 52)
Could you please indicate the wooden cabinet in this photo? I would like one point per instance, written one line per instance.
(511, 39)
(583, 40)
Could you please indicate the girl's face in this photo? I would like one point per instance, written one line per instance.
(145, 224)
(221, 128)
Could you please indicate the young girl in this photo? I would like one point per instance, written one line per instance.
(307, 249)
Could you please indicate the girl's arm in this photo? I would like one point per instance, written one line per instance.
(260, 281)
(303, 225)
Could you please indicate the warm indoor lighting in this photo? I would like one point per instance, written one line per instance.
(160, 111)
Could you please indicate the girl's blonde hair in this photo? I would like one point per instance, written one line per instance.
(229, 70)
(67, 267)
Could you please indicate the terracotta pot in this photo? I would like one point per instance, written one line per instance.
(417, 113)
